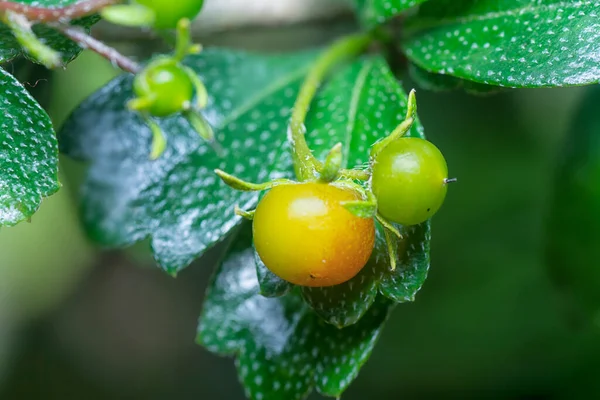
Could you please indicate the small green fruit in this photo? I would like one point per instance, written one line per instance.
(169, 12)
(409, 180)
(164, 88)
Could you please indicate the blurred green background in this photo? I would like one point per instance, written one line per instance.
(77, 323)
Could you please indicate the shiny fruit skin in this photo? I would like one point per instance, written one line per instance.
(305, 236)
(168, 84)
(409, 180)
(169, 12)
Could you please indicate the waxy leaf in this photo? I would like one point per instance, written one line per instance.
(28, 153)
(178, 200)
(438, 83)
(283, 349)
(375, 12)
(361, 104)
(10, 47)
(515, 43)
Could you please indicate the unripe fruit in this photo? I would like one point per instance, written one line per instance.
(169, 12)
(167, 84)
(304, 235)
(409, 181)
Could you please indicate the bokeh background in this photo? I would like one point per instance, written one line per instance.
(78, 323)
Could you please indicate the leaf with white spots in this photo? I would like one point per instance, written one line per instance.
(177, 200)
(514, 43)
(344, 351)
(343, 305)
(376, 12)
(438, 83)
(283, 349)
(361, 104)
(358, 106)
(28, 153)
(10, 48)
(412, 265)
(270, 284)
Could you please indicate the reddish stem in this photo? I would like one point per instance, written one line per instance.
(42, 14)
(86, 41)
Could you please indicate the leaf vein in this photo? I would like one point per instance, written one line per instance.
(253, 101)
(353, 109)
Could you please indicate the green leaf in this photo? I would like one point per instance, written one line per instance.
(514, 43)
(270, 284)
(413, 263)
(376, 12)
(438, 83)
(10, 48)
(28, 153)
(361, 104)
(178, 200)
(574, 216)
(283, 349)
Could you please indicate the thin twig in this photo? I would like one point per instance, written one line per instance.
(86, 41)
(67, 13)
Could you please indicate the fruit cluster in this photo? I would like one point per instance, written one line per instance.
(321, 232)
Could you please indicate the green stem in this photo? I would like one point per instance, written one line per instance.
(306, 165)
(401, 129)
(183, 43)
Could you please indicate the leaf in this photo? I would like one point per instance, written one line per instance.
(10, 48)
(283, 350)
(574, 217)
(361, 104)
(177, 200)
(28, 153)
(515, 43)
(376, 12)
(437, 82)
(270, 284)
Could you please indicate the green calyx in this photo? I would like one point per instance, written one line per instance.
(401, 129)
(328, 172)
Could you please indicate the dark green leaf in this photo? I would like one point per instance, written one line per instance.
(360, 105)
(343, 305)
(270, 284)
(574, 217)
(375, 12)
(177, 199)
(437, 83)
(283, 349)
(515, 43)
(413, 263)
(28, 153)
(10, 48)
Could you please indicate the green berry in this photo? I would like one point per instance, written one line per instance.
(409, 180)
(169, 12)
(165, 84)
